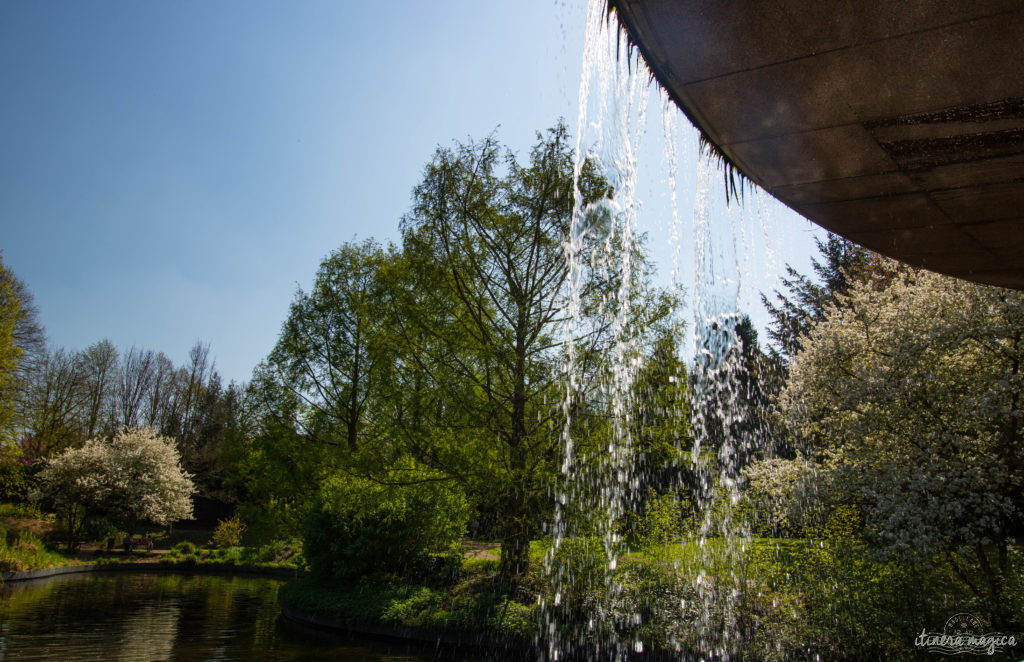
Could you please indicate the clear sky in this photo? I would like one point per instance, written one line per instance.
(172, 171)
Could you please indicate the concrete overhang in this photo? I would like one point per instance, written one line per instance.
(898, 125)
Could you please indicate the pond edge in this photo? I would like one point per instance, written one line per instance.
(193, 568)
(398, 632)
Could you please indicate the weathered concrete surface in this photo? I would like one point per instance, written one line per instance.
(899, 125)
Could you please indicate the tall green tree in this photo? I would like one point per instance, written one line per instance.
(11, 314)
(316, 398)
(274, 469)
(662, 440)
(805, 299)
(330, 354)
(479, 306)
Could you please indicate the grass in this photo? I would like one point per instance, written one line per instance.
(280, 554)
(22, 549)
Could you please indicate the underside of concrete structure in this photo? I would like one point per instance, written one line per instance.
(899, 125)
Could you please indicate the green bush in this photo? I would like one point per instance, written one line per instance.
(228, 532)
(184, 548)
(661, 526)
(358, 527)
(17, 479)
(582, 569)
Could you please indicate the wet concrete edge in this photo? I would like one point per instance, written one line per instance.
(192, 568)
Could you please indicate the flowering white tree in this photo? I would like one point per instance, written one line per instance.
(133, 478)
(909, 395)
(70, 484)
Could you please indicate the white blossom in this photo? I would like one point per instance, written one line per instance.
(908, 396)
(134, 477)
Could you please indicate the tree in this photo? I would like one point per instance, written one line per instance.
(72, 485)
(134, 478)
(316, 396)
(361, 527)
(330, 354)
(11, 314)
(805, 301)
(182, 421)
(477, 314)
(51, 411)
(909, 395)
(22, 345)
(662, 441)
(275, 469)
(99, 364)
(134, 381)
(144, 481)
(158, 399)
(222, 417)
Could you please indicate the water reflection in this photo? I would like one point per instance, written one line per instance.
(134, 617)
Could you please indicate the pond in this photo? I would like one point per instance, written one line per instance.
(168, 617)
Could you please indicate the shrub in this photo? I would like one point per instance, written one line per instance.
(661, 526)
(358, 527)
(228, 533)
(96, 527)
(184, 548)
(16, 477)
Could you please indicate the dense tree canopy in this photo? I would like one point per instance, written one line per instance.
(480, 321)
(441, 359)
(909, 394)
(330, 355)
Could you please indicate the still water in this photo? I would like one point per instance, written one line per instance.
(144, 617)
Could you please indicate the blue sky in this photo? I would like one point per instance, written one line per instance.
(172, 171)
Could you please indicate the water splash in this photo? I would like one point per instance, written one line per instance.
(600, 486)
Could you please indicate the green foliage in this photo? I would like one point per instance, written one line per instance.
(661, 525)
(10, 315)
(228, 532)
(581, 571)
(275, 467)
(473, 605)
(21, 549)
(16, 479)
(23, 509)
(840, 598)
(361, 527)
(278, 554)
(98, 527)
(185, 547)
(316, 398)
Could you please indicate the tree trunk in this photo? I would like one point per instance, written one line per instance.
(515, 544)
